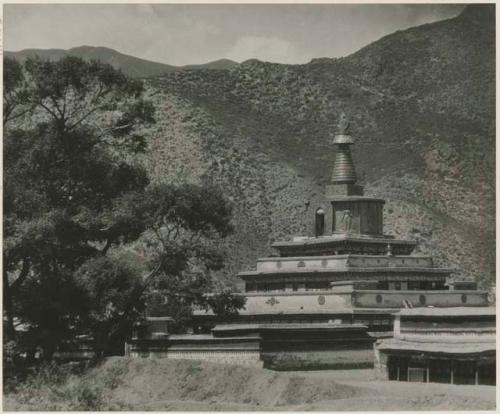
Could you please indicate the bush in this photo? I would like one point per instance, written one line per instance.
(310, 361)
(88, 397)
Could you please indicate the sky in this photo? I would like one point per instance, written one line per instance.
(180, 34)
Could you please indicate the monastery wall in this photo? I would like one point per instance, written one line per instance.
(437, 298)
(310, 302)
(341, 262)
(243, 358)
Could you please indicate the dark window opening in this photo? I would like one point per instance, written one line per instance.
(317, 285)
(320, 222)
(413, 285)
(383, 285)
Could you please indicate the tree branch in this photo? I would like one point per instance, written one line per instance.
(22, 276)
(10, 117)
(54, 115)
(105, 249)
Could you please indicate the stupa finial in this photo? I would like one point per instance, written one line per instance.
(343, 167)
(343, 127)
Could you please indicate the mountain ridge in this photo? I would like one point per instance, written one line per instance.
(130, 65)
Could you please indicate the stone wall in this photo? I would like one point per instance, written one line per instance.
(243, 358)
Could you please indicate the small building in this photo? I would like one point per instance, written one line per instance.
(451, 345)
(277, 346)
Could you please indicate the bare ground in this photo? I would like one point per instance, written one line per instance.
(177, 385)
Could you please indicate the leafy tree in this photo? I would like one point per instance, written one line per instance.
(106, 285)
(74, 197)
(182, 245)
(62, 175)
(225, 303)
(15, 97)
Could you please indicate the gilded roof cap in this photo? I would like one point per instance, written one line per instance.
(344, 126)
(343, 131)
(343, 167)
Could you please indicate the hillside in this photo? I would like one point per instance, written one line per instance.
(130, 65)
(125, 384)
(422, 106)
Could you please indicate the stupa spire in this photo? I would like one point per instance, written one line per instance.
(343, 167)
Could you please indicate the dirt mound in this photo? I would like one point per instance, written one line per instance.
(153, 380)
(181, 385)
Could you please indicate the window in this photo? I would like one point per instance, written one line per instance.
(317, 285)
(413, 285)
(320, 222)
(277, 287)
(422, 299)
(417, 374)
(383, 285)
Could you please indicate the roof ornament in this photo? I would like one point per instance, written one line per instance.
(389, 250)
(347, 220)
(344, 126)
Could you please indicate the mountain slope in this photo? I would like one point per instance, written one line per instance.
(130, 65)
(421, 102)
(422, 108)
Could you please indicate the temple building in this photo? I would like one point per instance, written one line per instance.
(348, 270)
(452, 345)
(334, 292)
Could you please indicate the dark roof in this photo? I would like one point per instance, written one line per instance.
(356, 198)
(236, 327)
(339, 238)
(346, 270)
(455, 311)
(159, 318)
(198, 338)
(456, 347)
(291, 326)
(278, 311)
(338, 256)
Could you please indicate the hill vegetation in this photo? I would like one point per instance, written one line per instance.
(422, 107)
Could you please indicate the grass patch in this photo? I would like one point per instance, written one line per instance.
(66, 388)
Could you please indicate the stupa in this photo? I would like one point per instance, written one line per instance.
(334, 292)
(348, 270)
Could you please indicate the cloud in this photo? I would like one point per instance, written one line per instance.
(271, 49)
